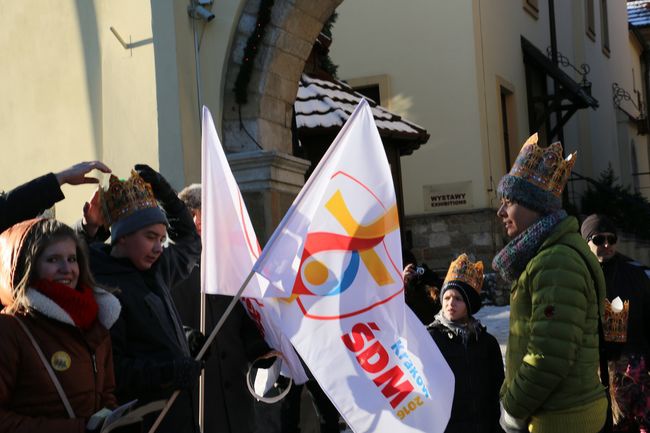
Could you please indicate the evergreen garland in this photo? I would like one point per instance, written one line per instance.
(326, 62)
(251, 50)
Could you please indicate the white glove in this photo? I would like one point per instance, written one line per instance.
(511, 424)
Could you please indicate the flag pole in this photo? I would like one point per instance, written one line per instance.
(205, 347)
(202, 377)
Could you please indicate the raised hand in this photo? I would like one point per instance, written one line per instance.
(93, 216)
(161, 188)
(76, 175)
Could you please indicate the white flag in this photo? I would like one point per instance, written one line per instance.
(230, 247)
(338, 253)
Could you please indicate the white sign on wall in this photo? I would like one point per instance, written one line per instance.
(448, 197)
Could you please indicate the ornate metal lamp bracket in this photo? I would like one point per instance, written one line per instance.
(620, 96)
(583, 71)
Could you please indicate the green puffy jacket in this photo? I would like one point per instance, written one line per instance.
(552, 359)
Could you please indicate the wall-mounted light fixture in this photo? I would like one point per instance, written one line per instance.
(199, 10)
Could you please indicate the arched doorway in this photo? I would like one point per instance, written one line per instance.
(257, 134)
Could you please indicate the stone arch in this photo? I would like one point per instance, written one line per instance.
(260, 153)
(272, 90)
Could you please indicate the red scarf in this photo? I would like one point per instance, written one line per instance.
(80, 304)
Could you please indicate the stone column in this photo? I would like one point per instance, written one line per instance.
(269, 182)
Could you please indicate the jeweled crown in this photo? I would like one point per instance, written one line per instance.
(462, 269)
(543, 167)
(615, 323)
(123, 197)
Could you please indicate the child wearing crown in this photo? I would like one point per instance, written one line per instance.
(152, 357)
(473, 355)
(556, 302)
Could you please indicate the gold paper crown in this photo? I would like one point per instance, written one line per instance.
(615, 324)
(462, 269)
(123, 197)
(543, 167)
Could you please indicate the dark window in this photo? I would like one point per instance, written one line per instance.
(537, 94)
(590, 19)
(532, 7)
(604, 27)
(371, 91)
(509, 145)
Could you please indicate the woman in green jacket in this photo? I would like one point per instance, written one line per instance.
(556, 299)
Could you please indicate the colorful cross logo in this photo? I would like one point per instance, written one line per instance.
(359, 242)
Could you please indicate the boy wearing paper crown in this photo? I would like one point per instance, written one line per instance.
(473, 355)
(152, 357)
(556, 301)
(627, 328)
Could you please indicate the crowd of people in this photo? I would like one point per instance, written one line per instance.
(105, 312)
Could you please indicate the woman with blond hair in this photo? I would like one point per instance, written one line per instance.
(56, 362)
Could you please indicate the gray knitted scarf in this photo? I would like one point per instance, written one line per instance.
(511, 261)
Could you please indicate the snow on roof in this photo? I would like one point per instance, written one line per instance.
(638, 13)
(323, 104)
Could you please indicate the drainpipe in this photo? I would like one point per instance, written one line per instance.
(558, 112)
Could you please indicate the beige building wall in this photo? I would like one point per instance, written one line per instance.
(427, 51)
(72, 92)
(447, 63)
(640, 142)
(50, 82)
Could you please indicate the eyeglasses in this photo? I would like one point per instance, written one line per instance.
(600, 240)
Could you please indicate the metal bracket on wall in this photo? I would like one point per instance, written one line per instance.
(119, 38)
(130, 45)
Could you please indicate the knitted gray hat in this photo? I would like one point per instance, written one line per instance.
(525, 193)
(137, 220)
(538, 176)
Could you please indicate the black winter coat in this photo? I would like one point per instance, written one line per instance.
(630, 283)
(228, 404)
(478, 373)
(28, 200)
(148, 336)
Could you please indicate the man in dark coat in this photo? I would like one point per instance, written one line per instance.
(152, 357)
(32, 198)
(228, 404)
(627, 361)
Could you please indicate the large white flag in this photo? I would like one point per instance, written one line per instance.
(230, 247)
(338, 253)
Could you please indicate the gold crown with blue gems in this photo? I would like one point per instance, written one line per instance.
(462, 269)
(543, 167)
(122, 198)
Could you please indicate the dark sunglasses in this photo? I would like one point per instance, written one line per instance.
(600, 240)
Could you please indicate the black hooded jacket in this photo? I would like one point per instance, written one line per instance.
(28, 200)
(148, 336)
(478, 374)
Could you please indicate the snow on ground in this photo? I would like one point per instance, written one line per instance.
(496, 320)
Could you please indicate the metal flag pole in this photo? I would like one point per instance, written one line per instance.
(205, 347)
(203, 306)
